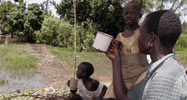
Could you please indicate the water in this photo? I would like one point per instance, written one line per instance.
(10, 82)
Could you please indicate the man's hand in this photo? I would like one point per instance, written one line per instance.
(114, 49)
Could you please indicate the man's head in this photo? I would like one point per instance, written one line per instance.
(85, 70)
(163, 26)
(132, 12)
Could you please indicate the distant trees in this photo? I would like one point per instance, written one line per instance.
(105, 15)
(19, 20)
(6, 9)
(35, 23)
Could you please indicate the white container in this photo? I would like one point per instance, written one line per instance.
(73, 84)
(102, 41)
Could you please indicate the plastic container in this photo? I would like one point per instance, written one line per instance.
(102, 41)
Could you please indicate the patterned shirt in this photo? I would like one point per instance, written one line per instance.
(166, 80)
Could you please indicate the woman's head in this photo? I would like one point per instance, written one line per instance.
(132, 13)
(163, 27)
(85, 70)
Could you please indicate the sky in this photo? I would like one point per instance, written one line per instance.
(41, 1)
(183, 18)
(51, 7)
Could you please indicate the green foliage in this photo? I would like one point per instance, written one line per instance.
(181, 43)
(108, 17)
(65, 10)
(19, 21)
(33, 22)
(55, 32)
(99, 60)
(14, 57)
(45, 7)
(60, 33)
(6, 9)
(85, 37)
(177, 6)
(184, 27)
(182, 56)
(104, 16)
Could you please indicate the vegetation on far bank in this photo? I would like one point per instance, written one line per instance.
(101, 63)
(182, 57)
(35, 23)
(15, 58)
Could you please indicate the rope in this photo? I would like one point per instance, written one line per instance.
(75, 39)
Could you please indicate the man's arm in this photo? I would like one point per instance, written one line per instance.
(120, 89)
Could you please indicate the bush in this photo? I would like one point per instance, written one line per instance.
(85, 38)
(65, 34)
(181, 43)
(60, 33)
(48, 31)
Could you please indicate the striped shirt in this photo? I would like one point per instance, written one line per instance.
(166, 80)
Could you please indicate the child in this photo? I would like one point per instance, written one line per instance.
(133, 63)
(89, 88)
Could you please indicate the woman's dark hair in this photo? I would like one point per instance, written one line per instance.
(88, 68)
(166, 25)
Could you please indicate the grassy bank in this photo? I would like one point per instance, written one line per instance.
(14, 57)
(100, 62)
(182, 56)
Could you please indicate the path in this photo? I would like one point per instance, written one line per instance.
(55, 71)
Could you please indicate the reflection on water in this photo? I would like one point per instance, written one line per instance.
(10, 82)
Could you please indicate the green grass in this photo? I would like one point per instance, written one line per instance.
(182, 56)
(14, 57)
(181, 44)
(101, 63)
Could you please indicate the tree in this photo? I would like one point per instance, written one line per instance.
(16, 20)
(177, 6)
(101, 14)
(45, 7)
(108, 17)
(6, 9)
(21, 21)
(33, 21)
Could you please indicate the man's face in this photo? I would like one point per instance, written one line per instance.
(144, 39)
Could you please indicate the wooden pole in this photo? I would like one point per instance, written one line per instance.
(75, 38)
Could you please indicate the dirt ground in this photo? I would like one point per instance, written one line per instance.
(55, 71)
